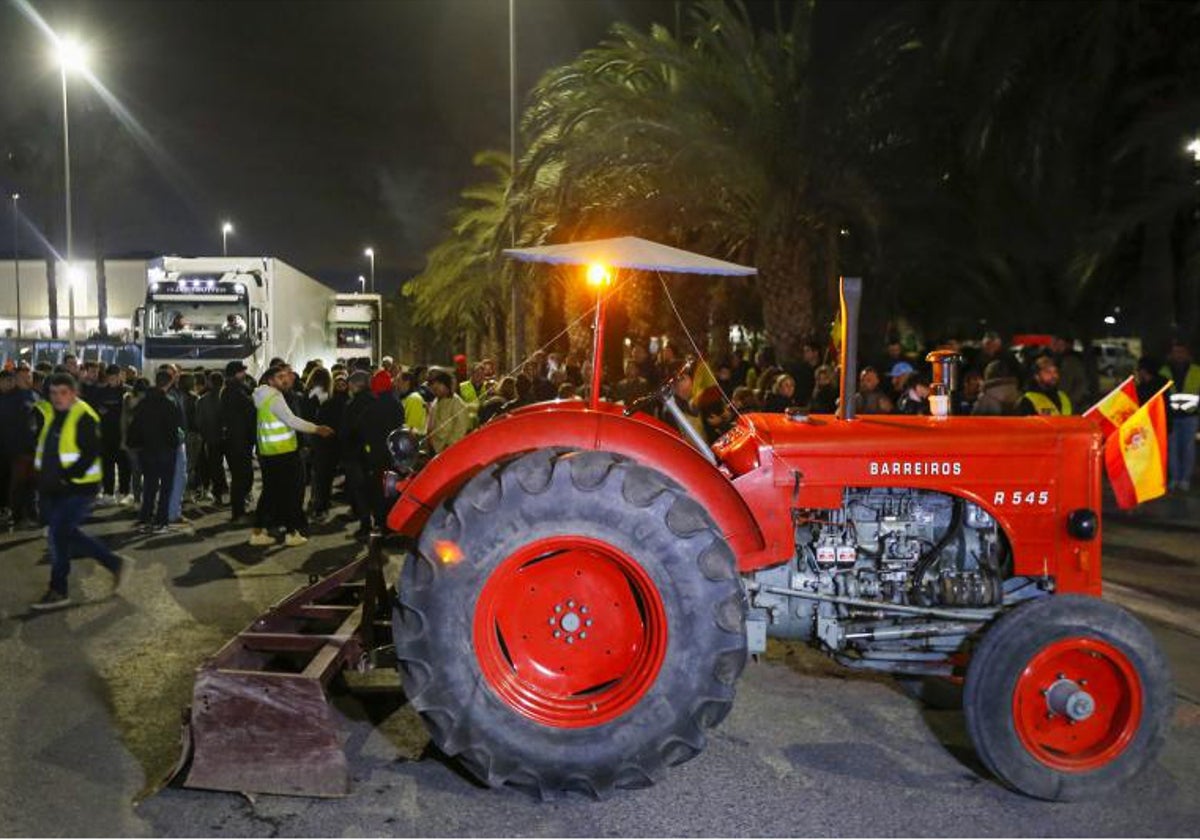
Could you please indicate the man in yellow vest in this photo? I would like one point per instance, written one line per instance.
(282, 501)
(1043, 397)
(1185, 417)
(67, 461)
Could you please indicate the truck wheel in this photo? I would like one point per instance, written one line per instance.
(1067, 697)
(570, 621)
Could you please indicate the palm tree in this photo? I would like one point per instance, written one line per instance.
(711, 142)
(1040, 166)
(464, 287)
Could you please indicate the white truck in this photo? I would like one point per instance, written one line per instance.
(208, 311)
(356, 325)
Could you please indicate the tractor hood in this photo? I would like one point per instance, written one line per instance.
(900, 446)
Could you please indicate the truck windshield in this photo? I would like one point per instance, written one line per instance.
(212, 318)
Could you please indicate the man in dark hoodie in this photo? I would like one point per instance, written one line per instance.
(156, 431)
(238, 424)
(1000, 394)
(69, 473)
(358, 403)
(384, 415)
(208, 422)
(108, 399)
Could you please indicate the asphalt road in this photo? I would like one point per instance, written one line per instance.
(89, 718)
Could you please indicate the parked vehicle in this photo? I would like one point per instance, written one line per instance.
(211, 310)
(583, 584)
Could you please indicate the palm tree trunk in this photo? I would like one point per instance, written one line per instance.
(101, 296)
(785, 282)
(52, 295)
(1158, 316)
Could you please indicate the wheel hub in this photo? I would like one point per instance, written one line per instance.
(1077, 704)
(570, 631)
(1069, 698)
(569, 621)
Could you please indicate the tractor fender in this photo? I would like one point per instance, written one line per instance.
(571, 425)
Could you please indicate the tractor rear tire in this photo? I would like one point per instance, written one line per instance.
(570, 621)
(1067, 698)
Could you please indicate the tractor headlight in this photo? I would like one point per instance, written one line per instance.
(1083, 524)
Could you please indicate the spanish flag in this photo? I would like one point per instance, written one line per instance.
(1135, 456)
(702, 379)
(1116, 408)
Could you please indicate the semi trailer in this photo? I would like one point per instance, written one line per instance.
(212, 310)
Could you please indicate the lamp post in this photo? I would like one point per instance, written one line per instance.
(362, 284)
(226, 229)
(17, 263)
(599, 276)
(370, 254)
(71, 56)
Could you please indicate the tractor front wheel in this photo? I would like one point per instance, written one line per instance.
(570, 621)
(1067, 697)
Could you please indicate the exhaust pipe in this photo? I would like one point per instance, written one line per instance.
(851, 295)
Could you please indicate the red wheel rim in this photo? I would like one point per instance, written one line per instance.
(1077, 704)
(570, 632)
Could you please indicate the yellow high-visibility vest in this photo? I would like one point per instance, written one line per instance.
(274, 436)
(1045, 406)
(68, 442)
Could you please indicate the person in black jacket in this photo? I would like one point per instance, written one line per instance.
(359, 400)
(212, 443)
(157, 430)
(324, 406)
(384, 416)
(108, 399)
(69, 472)
(239, 423)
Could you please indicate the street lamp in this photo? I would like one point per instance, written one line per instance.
(226, 229)
(370, 254)
(362, 284)
(17, 262)
(73, 57)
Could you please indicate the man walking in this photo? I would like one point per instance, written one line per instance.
(68, 464)
(282, 501)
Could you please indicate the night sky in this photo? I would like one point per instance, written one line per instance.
(317, 128)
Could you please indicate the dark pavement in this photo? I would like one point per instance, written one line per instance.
(90, 717)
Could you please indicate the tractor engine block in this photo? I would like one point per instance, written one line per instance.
(900, 546)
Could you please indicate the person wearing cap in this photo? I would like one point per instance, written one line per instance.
(282, 500)
(383, 415)
(1044, 397)
(238, 428)
(898, 375)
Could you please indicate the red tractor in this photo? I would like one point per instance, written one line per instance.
(584, 586)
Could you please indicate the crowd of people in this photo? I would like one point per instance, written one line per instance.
(79, 433)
